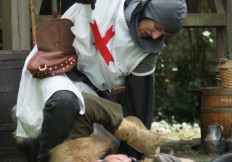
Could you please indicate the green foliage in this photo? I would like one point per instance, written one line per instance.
(174, 102)
(183, 69)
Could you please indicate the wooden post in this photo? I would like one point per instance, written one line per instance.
(1, 14)
(16, 25)
(220, 32)
(33, 22)
(224, 37)
(229, 26)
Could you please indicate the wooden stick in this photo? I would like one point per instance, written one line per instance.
(33, 23)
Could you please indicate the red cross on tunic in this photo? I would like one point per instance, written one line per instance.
(101, 42)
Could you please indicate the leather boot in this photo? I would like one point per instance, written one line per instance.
(133, 132)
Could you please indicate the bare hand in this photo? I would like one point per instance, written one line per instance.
(117, 158)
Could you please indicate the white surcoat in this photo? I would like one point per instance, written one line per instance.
(106, 54)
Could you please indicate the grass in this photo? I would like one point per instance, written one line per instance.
(183, 140)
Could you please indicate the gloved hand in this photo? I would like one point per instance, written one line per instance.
(91, 2)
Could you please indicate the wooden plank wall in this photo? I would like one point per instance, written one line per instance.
(11, 64)
(15, 24)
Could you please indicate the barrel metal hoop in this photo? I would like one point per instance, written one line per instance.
(216, 110)
(217, 92)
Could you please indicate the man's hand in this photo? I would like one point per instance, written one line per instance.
(117, 158)
(91, 2)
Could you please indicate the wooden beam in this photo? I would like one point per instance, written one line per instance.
(205, 20)
(219, 6)
(212, 5)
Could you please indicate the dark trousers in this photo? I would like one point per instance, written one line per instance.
(62, 120)
(97, 110)
(59, 114)
(138, 101)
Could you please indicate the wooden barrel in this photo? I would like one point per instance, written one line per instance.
(216, 107)
(11, 63)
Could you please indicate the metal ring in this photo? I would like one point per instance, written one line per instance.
(133, 159)
(43, 69)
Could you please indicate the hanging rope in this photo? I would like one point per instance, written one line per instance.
(33, 23)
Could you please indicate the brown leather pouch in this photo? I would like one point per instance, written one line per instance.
(55, 35)
(45, 64)
(55, 55)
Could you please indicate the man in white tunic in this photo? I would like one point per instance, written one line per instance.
(117, 44)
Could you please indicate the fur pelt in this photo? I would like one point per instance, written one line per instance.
(89, 149)
(85, 149)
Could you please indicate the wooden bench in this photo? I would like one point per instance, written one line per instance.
(11, 63)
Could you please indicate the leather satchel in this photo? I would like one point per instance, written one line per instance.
(55, 55)
(55, 35)
(46, 64)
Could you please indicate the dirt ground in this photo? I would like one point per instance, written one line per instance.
(183, 140)
(191, 149)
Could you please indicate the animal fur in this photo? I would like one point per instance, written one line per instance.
(85, 149)
(89, 149)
